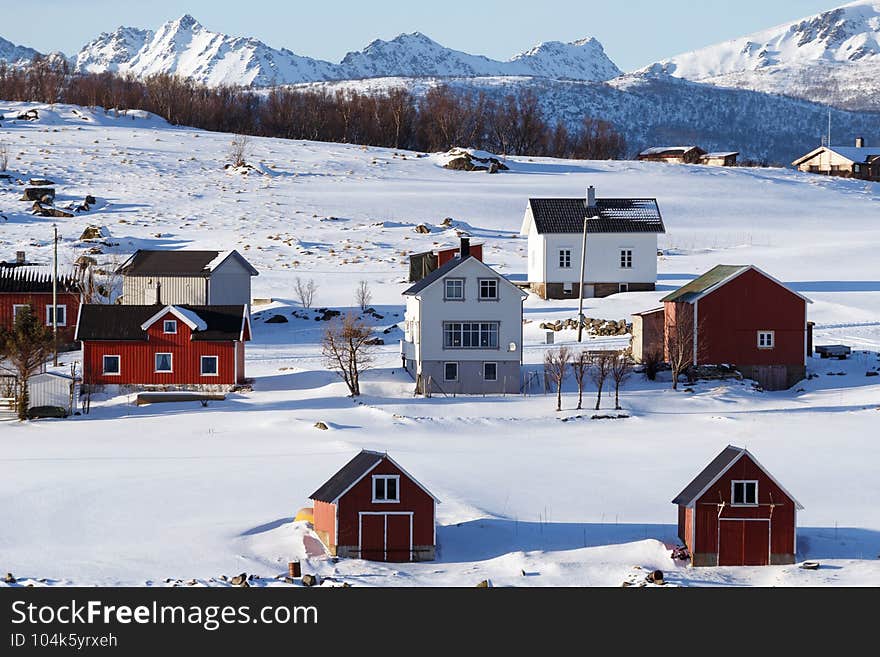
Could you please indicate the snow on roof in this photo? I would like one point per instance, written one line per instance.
(658, 150)
(720, 154)
(195, 322)
(855, 153)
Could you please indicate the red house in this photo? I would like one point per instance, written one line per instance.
(739, 315)
(32, 286)
(735, 513)
(373, 509)
(183, 347)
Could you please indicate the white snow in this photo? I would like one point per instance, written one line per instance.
(135, 495)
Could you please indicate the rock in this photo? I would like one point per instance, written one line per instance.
(447, 222)
(40, 182)
(9, 579)
(375, 341)
(239, 580)
(43, 210)
(485, 584)
(91, 200)
(38, 194)
(277, 319)
(191, 582)
(872, 373)
(289, 580)
(422, 229)
(94, 233)
(655, 577)
(310, 580)
(322, 426)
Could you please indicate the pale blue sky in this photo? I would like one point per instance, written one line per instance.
(634, 32)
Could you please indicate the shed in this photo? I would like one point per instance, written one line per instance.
(735, 513)
(672, 154)
(727, 159)
(52, 389)
(373, 509)
(647, 334)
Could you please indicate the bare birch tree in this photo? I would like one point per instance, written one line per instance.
(348, 350)
(580, 366)
(679, 341)
(556, 362)
(621, 370)
(305, 292)
(238, 150)
(364, 295)
(601, 367)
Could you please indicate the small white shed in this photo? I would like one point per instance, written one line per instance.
(52, 389)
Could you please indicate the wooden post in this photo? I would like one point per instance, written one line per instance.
(55, 299)
(294, 569)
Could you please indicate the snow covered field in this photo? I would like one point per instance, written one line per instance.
(130, 495)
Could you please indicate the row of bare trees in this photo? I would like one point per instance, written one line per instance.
(597, 366)
(439, 119)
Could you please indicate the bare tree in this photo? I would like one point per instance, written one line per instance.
(305, 292)
(580, 365)
(348, 350)
(556, 362)
(26, 347)
(363, 295)
(621, 370)
(679, 340)
(652, 361)
(4, 156)
(602, 363)
(238, 150)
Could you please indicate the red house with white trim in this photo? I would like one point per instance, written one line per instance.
(373, 509)
(164, 347)
(735, 513)
(739, 315)
(22, 286)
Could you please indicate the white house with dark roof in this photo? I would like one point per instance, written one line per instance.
(621, 245)
(463, 329)
(857, 161)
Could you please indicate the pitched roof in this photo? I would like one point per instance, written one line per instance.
(852, 153)
(29, 279)
(146, 262)
(610, 215)
(714, 155)
(671, 151)
(712, 472)
(716, 277)
(117, 322)
(350, 473)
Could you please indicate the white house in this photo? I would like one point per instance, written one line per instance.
(857, 161)
(183, 277)
(464, 330)
(621, 245)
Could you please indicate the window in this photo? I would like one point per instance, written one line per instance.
(766, 339)
(568, 288)
(210, 365)
(454, 289)
(163, 363)
(169, 326)
(386, 488)
(626, 259)
(112, 366)
(490, 371)
(450, 371)
(62, 315)
(623, 287)
(565, 258)
(488, 289)
(17, 308)
(470, 335)
(744, 493)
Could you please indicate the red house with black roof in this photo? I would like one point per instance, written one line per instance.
(164, 347)
(373, 509)
(22, 286)
(735, 513)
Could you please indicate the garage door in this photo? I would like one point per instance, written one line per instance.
(386, 536)
(743, 542)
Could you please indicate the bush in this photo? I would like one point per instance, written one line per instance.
(46, 411)
(652, 362)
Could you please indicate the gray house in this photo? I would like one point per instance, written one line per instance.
(196, 278)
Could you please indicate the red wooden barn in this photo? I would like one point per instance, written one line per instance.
(735, 513)
(32, 286)
(373, 509)
(739, 315)
(195, 347)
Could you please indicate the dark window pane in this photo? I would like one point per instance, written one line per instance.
(392, 488)
(380, 489)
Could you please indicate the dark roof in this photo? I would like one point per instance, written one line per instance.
(27, 279)
(348, 475)
(181, 262)
(437, 274)
(708, 475)
(669, 151)
(610, 215)
(716, 275)
(117, 322)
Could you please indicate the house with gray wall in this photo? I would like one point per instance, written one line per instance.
(184, 277)
(463, 329)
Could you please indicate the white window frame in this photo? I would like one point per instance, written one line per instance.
(565, 258)
(733, 489)
(62, 307)
(447, 364)
(386, 478)
(626, 258)
(480, 296)
(156, 362)
(485, 378)
(772, 344)
(169, 322)
(458, 328)
(18, 306)
(446, 282)
(118, 371)
(216, 371)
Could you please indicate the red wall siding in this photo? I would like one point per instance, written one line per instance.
(239, 359)
(446, 255)
(39, 303)
(783, 519)
(412, 498)
(325, 520)
(137, 362)
(674, 312)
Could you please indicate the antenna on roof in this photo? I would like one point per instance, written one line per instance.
(829, 129)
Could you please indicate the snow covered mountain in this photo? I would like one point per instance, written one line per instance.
(832, 57)
(13, 54)
(111, 50)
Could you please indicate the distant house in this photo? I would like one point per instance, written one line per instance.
(164, 347)
(197, 278)
(735, 513)
(673, 154)
(742, 316)
(719, 159)
(373, 509)
(857, 161)
(463, 330)
(648, 331)
(422, 264)
(621, 245)
(27, 285)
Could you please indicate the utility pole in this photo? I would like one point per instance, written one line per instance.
(829, 129)
(591, 203)
(55, 298)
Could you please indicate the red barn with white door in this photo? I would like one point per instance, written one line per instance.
(735, 513)
(373, 509)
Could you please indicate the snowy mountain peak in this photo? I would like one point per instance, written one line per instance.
(13, 54)
(584, 59)
(111, 51)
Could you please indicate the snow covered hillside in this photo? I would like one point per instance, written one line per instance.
(832, 57)
(136, 495)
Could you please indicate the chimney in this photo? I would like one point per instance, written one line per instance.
(591, 197)
(860, 142)
(20, 258)
(465, 250)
